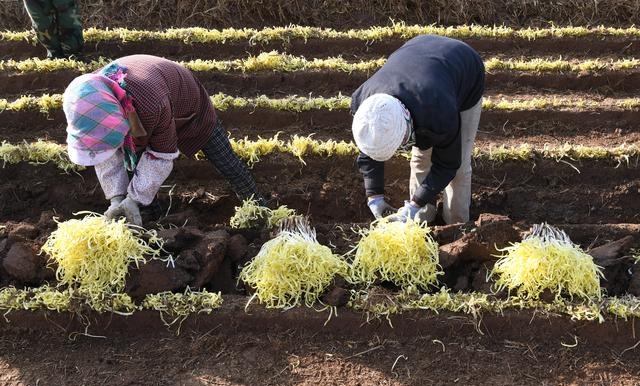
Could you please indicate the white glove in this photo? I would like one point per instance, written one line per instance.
(409, 210)
(426, 214)
(127, 208)
(379, 206)
(153, 168)
(418, 214)
(115, 201)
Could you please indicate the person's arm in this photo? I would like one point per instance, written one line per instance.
(112, 176)
(218, 150)
(153, 169)
(114, 180)
(373, 174)
(156, 162)
(445, 162)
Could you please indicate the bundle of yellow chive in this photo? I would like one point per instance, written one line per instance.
(252, 215)
(547, 260)
(292, 269)
(402, 253)
(93, 254)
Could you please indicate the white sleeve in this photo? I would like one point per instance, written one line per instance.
(112, 176)
(153, 168)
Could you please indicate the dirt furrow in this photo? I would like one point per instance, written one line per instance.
(278, 84)
(574, 47)
(497, 125)
(330, 190)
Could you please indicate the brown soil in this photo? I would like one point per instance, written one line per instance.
(332, 83)
(231, 347)
(569, 47)
(538, 190)
(252, 345)
(595, 202)
(535, 127)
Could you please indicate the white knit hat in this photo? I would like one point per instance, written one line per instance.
(380, 125)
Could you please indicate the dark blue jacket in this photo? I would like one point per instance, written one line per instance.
(436, 78)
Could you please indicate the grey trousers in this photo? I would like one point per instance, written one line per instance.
(457, 195)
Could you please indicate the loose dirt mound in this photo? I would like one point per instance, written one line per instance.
(212, 260)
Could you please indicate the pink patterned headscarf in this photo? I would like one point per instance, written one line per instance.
(96, 108)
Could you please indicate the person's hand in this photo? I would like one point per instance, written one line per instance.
(379, 207)
(426, 214)
(127, 208)
(409, 210)
(115, 201)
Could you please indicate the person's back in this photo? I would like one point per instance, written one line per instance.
(171, 103)
(433, 76)
(427, 95)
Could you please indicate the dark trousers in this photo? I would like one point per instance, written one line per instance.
(57, 26)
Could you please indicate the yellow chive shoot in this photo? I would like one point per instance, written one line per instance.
(403, 253)
(547, 260)
(292, 269)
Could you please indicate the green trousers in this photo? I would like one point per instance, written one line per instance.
(57, 26)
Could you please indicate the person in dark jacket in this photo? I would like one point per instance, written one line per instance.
(428, 95)
(57, 26)
(143, 103)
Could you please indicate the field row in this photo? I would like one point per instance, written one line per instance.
(275, 61)
(47, 104)
(177, 306)
(339, 14)
(286, 34)
(251, 151)
(618, 84)
(52, 299)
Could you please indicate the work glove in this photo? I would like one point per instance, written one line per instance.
(409, 210)
(127, 208)
(379, 207)
(419, 214)
(426, 214)
(115, 201)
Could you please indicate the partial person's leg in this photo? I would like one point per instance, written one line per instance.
(69, 27)
(420, 166)
(42, 14)
(218, 150)
(457, 195)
